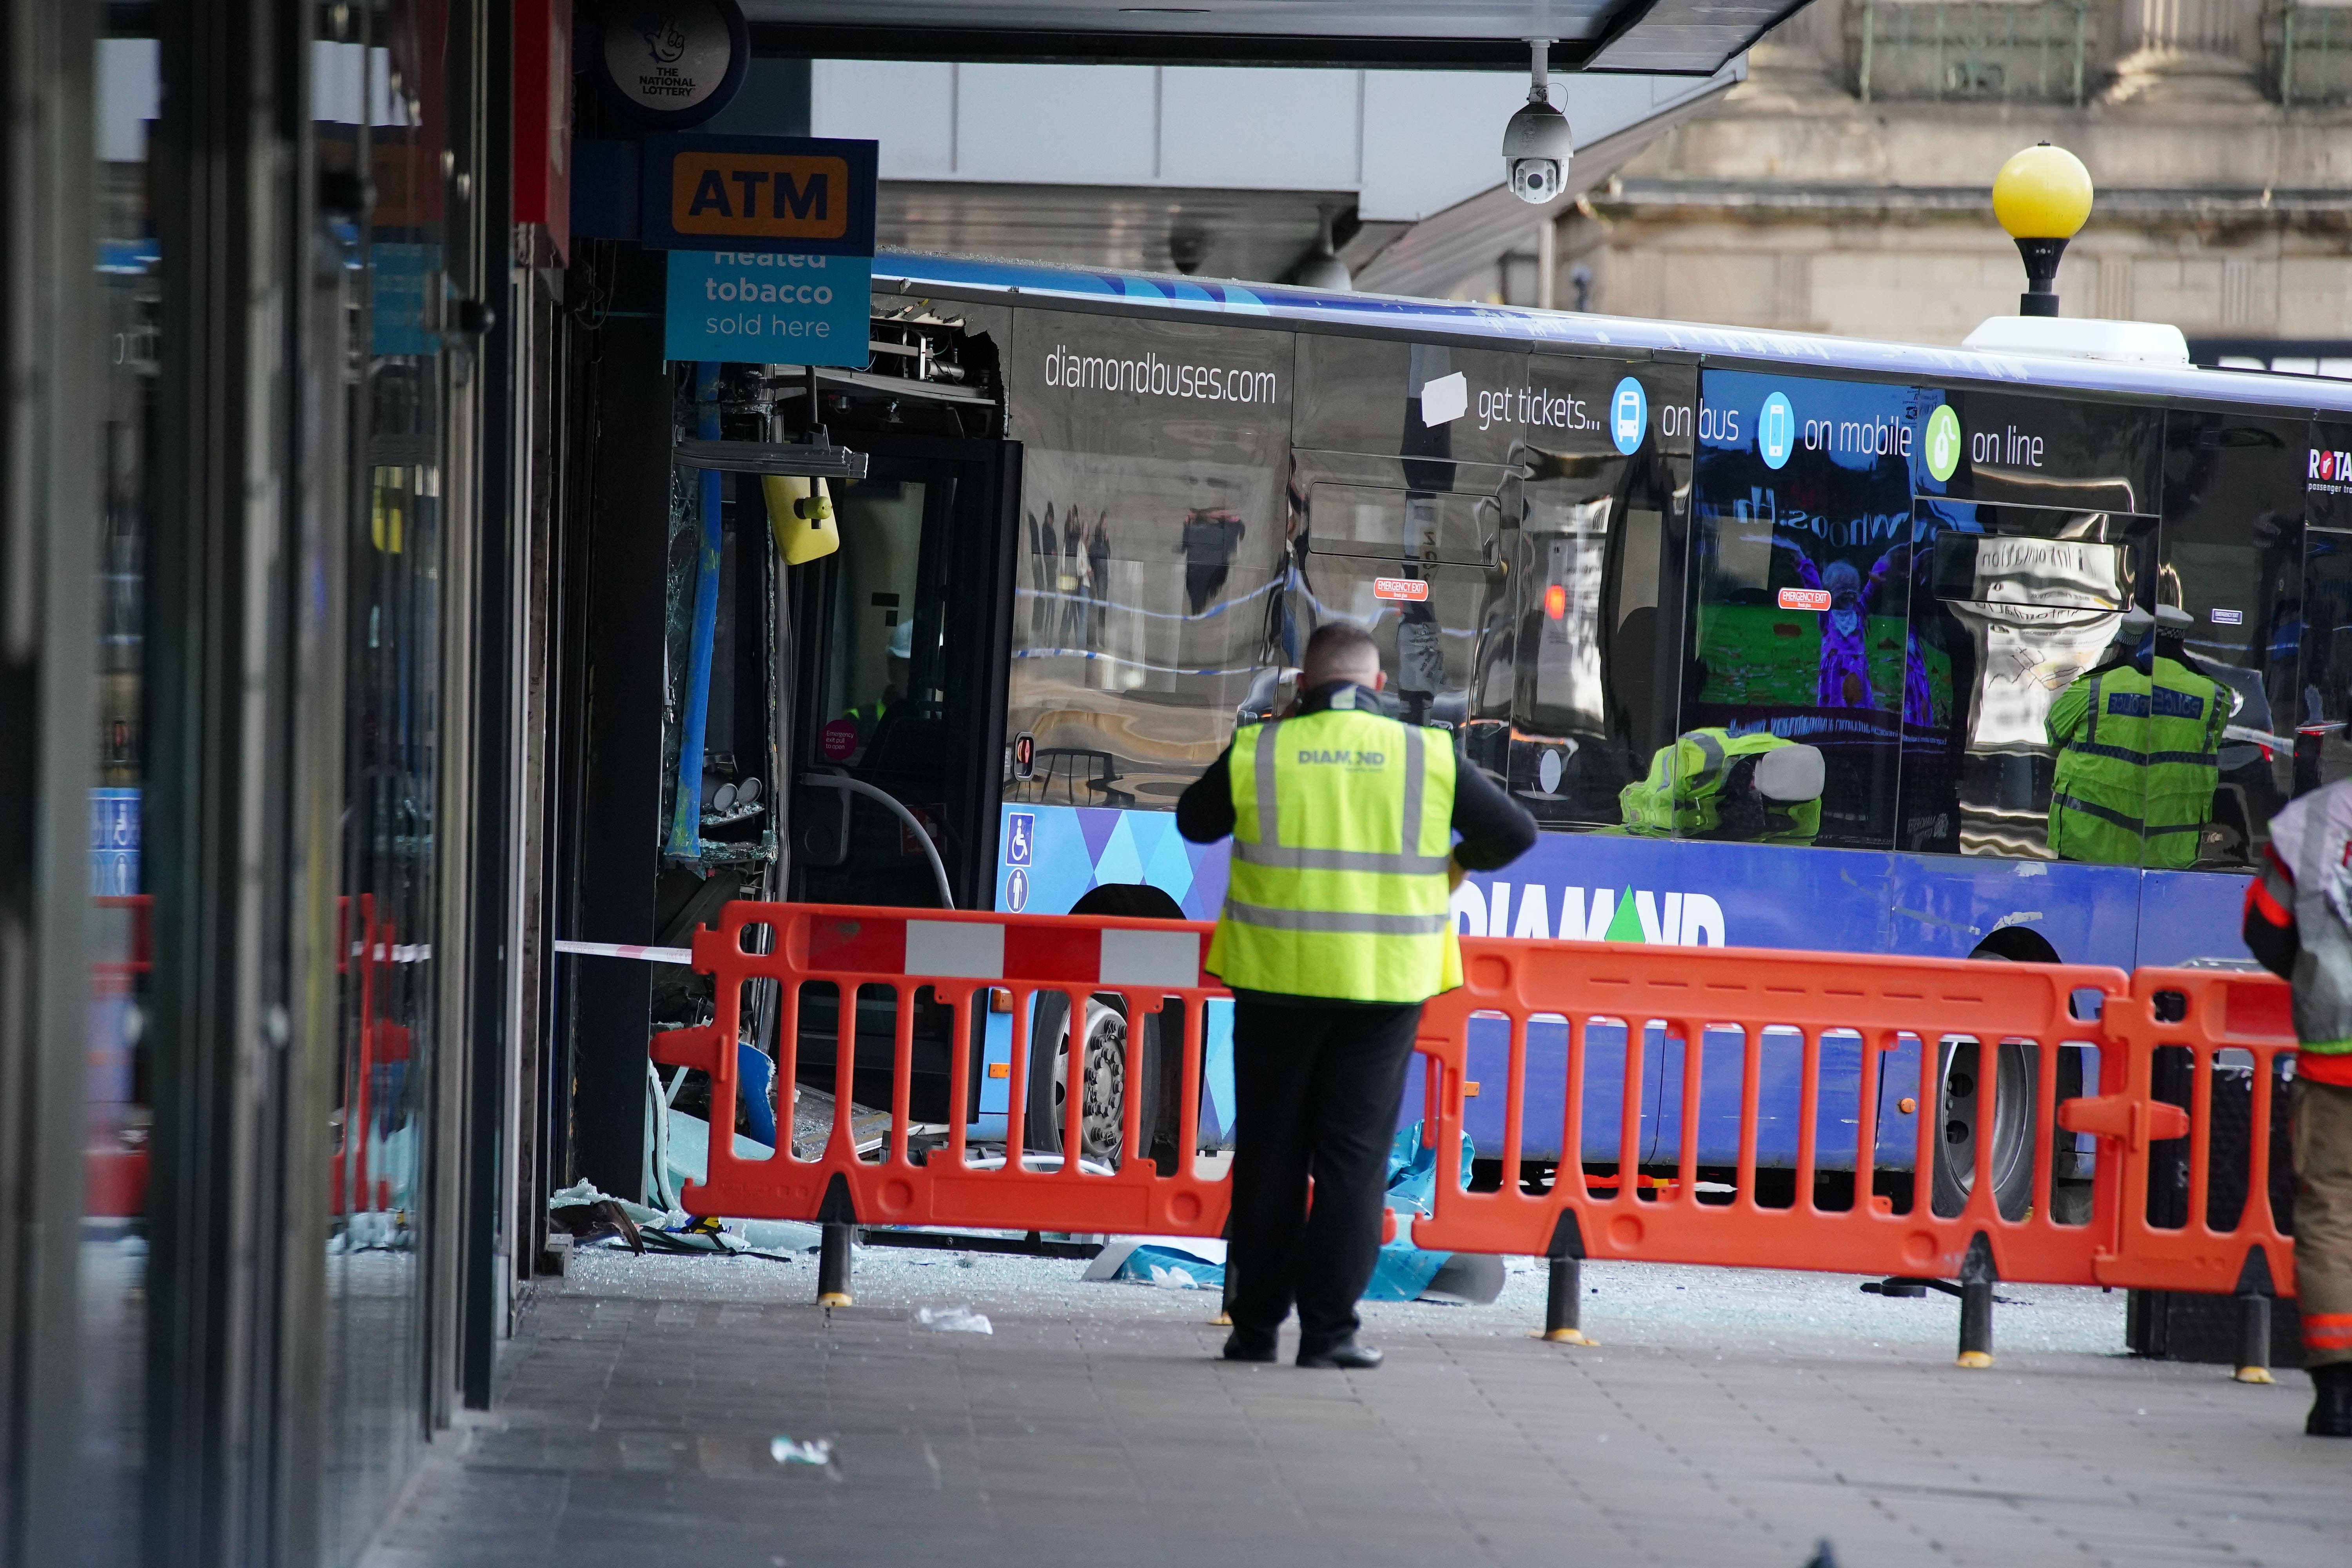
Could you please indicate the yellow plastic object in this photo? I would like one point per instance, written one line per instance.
(833, 1298)
(2043, 193)
(1567, 1337)
(800, 514)
(2255, 1374)
(1974, 1359)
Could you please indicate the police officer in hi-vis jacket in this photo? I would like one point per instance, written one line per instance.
(1336, 929)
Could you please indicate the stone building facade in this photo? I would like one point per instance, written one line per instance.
(1845, 187)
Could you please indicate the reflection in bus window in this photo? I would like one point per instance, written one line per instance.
(1152, 519)
(2322, 754)
(2232, 562)
(1599, 552)
(1801, 566)
(2021, 601)
(2138, 740)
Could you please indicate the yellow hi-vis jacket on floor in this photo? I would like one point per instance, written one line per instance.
(1342, 830)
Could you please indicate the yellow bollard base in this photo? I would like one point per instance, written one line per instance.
(1974, 1359)
(2254, 1374)
(835, 1299)
(1223, 1321)
(1566, 1337)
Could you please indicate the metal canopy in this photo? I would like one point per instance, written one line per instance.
(1669, 36)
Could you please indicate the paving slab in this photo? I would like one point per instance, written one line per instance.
(1728, 1417)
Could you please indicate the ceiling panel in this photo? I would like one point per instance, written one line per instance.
(1669, 36)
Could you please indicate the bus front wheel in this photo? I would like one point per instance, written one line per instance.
(1102, 1095)
(1977, 1100)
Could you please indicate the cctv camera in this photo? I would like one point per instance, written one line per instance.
(1537, 143)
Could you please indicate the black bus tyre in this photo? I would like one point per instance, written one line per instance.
(1103, 1033)
(1961, 1095)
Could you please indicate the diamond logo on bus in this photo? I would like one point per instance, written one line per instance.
(1412, 590)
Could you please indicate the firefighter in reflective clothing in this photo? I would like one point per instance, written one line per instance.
(2298, 922)
(1336, 929)
(2139, 754)
(1712, 784)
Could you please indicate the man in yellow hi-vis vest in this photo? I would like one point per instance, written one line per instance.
(1335, 931)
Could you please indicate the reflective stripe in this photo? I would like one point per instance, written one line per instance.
(1409, 833)
(1712, 749)
(1348, 923)
(2088, 808)
(2327, 1331)
(1269, 827)
(1287, 859)
(2119, 754)
(2093, 738)
(2139, 759)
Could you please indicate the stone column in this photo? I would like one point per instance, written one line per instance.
(2188, 51)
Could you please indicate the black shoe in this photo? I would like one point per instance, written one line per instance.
(1345, 1356)
(2331, 1405)
(1249, 1344)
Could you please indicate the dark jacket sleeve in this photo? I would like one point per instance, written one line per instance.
(2269, 929)
(1204, 811)
(1495, 829)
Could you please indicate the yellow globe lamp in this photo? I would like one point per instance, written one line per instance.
(2041, 197)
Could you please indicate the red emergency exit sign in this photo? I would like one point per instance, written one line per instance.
(1412, 590)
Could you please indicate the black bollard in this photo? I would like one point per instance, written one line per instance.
(1978, 1276)
(1976, 1322)
(833, 1265)
(1564, 1303)
(2255, 1339)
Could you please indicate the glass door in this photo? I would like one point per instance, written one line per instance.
(902, 640)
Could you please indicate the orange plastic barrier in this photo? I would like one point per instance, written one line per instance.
(1709, 1000)
(1699, 994)
(2204, 1233)
(959, 958)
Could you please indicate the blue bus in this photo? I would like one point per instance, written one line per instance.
(1105, 511)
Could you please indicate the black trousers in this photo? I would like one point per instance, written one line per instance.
(1317, 1088)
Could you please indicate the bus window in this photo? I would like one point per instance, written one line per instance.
(1801, 580)
(1365, 396)
(1426, 618)
(1401, 525)
(2322, 623)
(1599, 566)
(2015, 604)
(870, 668)
(1154, 528)
(2322, 754)
(2233, 559)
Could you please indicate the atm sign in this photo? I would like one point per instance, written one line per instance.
(807, 196)
(746, 196)
(1412, 590)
